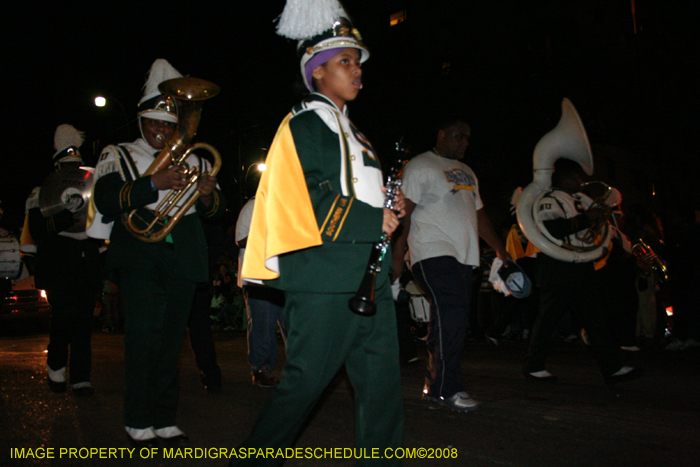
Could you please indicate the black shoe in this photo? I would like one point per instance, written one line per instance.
(265, 380)
(86, 391)
(142, 443)
(629, 375)
(179, 441)
(548, 378)
(57, 387)
(211, 380)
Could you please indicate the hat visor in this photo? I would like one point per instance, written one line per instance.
(158, 115)
(68, 159)
(341, 42)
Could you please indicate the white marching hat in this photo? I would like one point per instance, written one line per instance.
(67, 141)
(153, 104)
(319, 26)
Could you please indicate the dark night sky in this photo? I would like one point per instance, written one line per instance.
(510, 64)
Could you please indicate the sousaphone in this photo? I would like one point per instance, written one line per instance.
(567, 140)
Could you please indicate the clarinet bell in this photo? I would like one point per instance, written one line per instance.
(362, 306)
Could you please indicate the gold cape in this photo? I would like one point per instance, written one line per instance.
(283, 218)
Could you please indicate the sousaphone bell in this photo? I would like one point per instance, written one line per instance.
(567, 140)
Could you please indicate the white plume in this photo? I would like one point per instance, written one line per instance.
(66, 135)
(160, 71)
(302, 19)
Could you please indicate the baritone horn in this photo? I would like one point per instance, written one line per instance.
(190, 94)
(567, 140)
(649, 262)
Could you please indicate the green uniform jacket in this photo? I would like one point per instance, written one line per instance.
(188, 240)
(348, 226)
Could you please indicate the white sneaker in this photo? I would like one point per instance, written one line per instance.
(623, 371)
(459, 402)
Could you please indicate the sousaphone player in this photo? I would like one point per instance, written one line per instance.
(557, 217)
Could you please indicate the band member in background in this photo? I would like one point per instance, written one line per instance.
(5, 282)
(4, 233)
(321, 259)
(156, 280)
(199, 323)
(68, 268)
(570, 286)
(265, 311)
(617, 275)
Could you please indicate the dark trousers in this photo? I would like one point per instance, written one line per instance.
(71, 327)
(156, 302)
(448, 284)
(323, 336)
(265, 310)
(202, 338)
(408, 349)
(618, 282)
(570, 286)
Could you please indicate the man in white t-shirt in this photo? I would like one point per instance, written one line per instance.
(444, 222)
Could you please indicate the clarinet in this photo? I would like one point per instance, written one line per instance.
(363, 301)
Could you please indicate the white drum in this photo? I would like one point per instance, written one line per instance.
(10, 258)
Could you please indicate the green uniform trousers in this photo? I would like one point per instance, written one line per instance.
(156, 301)
(324, 335)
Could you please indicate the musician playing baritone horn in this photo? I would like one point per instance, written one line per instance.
(318, 211)
(156, 279)
(68, 268)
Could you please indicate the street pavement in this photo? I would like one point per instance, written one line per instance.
(653, 421)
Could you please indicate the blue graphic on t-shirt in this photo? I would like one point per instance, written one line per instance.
(461, 180)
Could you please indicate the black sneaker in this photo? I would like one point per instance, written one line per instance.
(264, 379)
(459, 402)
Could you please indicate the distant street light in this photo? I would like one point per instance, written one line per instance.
(101, 101)
(260, 166)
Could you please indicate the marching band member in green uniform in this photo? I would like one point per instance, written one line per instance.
(319, 209)
(156, 280)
